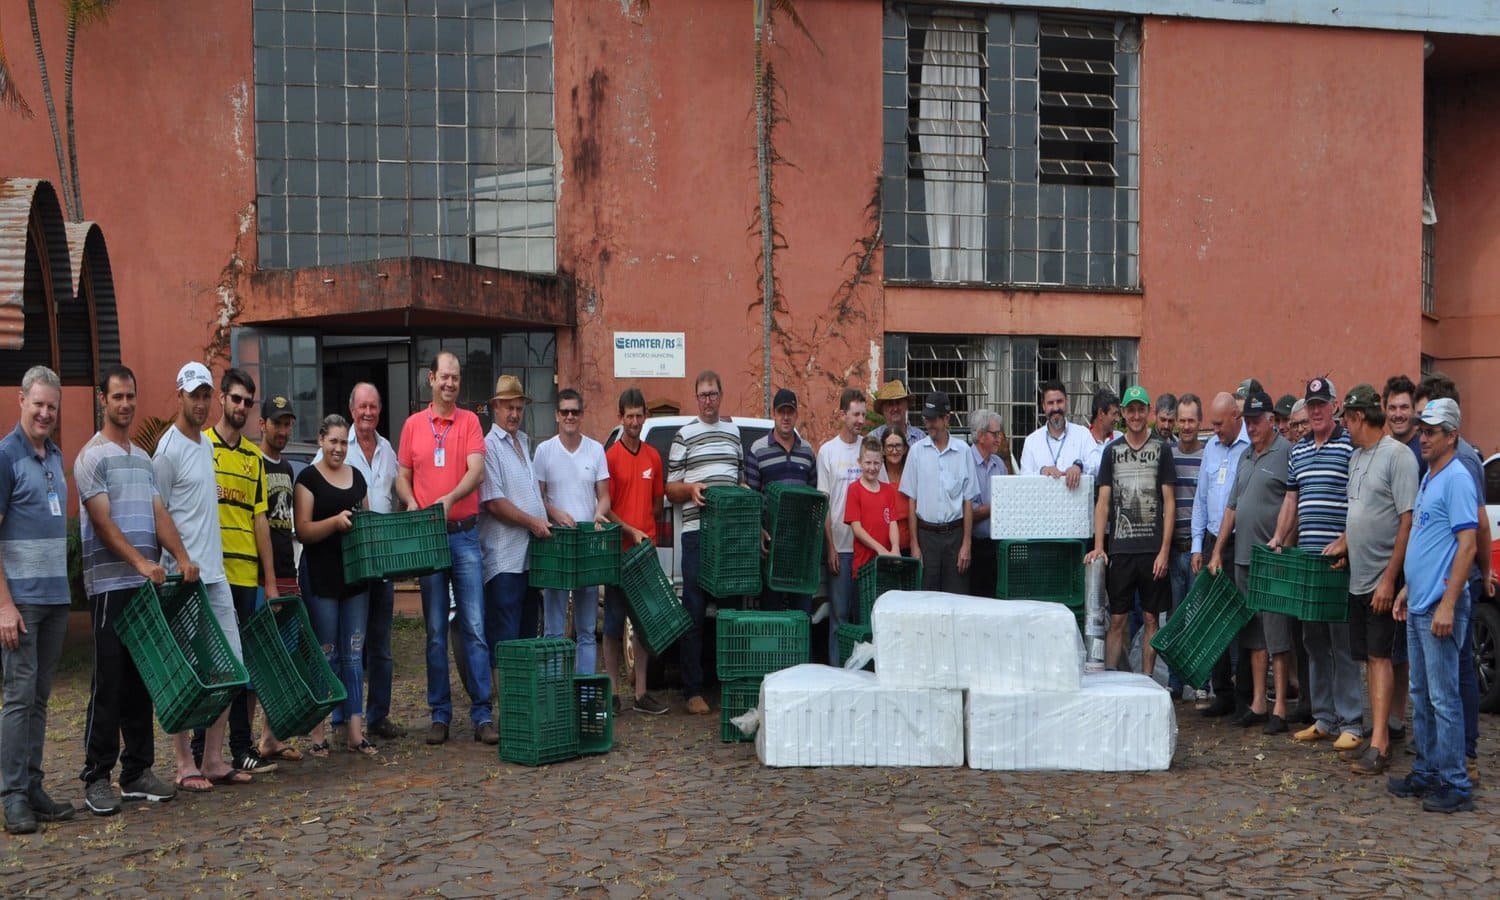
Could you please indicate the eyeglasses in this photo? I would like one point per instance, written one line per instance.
(890, 447)
(239, 399)
(708, 395)
(995, 432)
(569, 413)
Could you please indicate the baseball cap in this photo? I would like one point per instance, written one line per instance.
(1362, 398)
(1135, 394)
(1246, 388)
(937, 405)
(1319, 389)
(1443, 412)
(1258, 404)
(784, 397)
(276, 407)
(192, 376)
(1285, 405)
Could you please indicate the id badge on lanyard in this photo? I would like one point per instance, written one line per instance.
(439, 457)
(439, 454)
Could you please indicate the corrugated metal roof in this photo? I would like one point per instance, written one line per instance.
(88, 326)
(21, 199)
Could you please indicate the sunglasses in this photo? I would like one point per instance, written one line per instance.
(239, 399)
(569, 413)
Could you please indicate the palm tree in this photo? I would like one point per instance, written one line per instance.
(79, 13)
(10, 95)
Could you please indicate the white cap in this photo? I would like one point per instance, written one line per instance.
(192, 376)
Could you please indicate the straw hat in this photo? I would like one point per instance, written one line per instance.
(508, 387)
(891, 390)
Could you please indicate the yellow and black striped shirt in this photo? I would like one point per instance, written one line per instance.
(242, 495)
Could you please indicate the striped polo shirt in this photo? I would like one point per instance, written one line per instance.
(710, 454)
(241, 475)
(33, 541)
(769, 463)
(125, 478)
(1187, 465)
(1320, 476)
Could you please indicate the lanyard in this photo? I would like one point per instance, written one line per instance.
(438, 438)
(1060, 442)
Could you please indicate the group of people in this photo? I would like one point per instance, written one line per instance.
(210, 507)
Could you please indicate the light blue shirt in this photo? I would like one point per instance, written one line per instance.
(1446, 505)
(983, 472)
(508, 475)
(939, 483)
(1215, 478)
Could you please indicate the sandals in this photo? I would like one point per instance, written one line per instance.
(319, 749)
(194, 784)
(286, 753)
(233, 777)
(364, 747)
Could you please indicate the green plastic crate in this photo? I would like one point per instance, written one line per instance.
(180, 651)
(848, 636)
(729, 542)
(751, 644)
(1298, 583)
(396, 544)
(1040, 570)
(292, 679)
(655, 612)
(538, 708)
(795, 516)
(585, 555)
(1195, 636)
(596, 717)
(736, 697)
(886, 573)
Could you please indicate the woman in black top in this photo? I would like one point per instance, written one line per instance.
(323, 504)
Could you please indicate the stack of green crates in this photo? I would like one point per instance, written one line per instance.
(538, 706)
(886, 573)
(729, 542)
(288, 668)
(751, 645)
(1049, 570)
(1297, 583)
(848, 636)
(584, 555)
(182, 654)
(655, 612)
(795, 514)
(396, 544)
(1195, 636)
(596, 718)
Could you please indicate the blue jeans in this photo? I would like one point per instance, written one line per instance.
(28, 686)
(840, 598)
(341, 626)
(1180, 572)
(1436, 710)
(378, 659)
(468, 593)
(1468, 676)
(531, 613)
(690, 648)
(503, 596)
(585, 622)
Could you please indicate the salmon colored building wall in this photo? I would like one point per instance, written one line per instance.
(1465, 336)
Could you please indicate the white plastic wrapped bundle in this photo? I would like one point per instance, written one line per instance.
(821, 716)
(1023, 507)
(929, 639)
(1118, 722)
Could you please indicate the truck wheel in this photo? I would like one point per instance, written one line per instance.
(1486, 645)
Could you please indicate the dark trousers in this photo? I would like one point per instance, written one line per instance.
(1222, 677)
(690, 647)
(119, 705)
(240, 740)
(940, 560)
(983, 566)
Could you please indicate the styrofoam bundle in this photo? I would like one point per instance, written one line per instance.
(1118, 722)
(1024, 507)
(930, 639)
(815, 715)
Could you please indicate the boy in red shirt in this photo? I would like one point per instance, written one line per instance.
(871, 508)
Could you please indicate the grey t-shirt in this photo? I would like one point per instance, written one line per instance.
(1382, 486)
(190, 491)
(1259, 486)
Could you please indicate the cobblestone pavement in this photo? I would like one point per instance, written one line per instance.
(673, 812)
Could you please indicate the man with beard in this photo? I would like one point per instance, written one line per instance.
(893, 403)
(1059, 447)
(276, 421)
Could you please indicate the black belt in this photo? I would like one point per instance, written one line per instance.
(464, 524)
(940, 529)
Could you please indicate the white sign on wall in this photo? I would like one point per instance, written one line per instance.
(650, 354)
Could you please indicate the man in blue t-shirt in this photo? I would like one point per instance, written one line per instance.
(1436, 607)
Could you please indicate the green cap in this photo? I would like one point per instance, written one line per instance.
(1363, 398)
(1135, 394)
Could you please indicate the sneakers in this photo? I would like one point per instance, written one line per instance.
(1201, 698)
(437, 733)
(101, 798)
(385, 728)
(698, 706)
(651, 706)
(1250, 718)
(1373, 762)
(1408, 786)
(1274, 725)
(251, 761)
(146, 786)
(1447, 800)
(487, 733)
(46, 809)
(1310, 734)
(19, 819)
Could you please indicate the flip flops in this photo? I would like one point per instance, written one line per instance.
(285, 754)
(233, 777)
(194, 784)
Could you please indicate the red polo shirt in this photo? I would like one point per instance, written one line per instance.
(421, 436)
